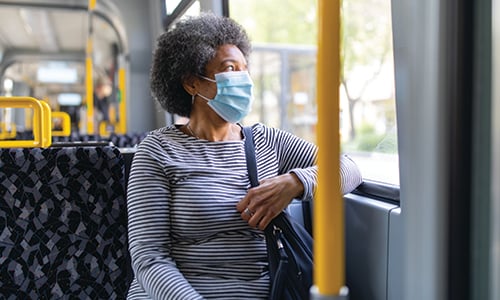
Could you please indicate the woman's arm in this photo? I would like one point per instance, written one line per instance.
(148, 205)
(300, 157)
(297, 177)
(350, 175)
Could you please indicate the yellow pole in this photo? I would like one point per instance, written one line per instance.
(329, 263)
(89, 82)
(122, 87)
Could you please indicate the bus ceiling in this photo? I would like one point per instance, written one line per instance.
(57, 30)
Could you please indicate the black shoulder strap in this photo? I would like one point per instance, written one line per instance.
(252, 174)
(250, 156)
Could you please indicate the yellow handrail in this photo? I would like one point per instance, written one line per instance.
(328, 208)
(46, 124)
(103, 128)
(65, 123)
(41, 122)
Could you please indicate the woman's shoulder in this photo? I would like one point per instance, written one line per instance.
(262, 130)
(167, 134)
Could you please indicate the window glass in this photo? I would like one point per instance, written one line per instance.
(283, 66)
(193, 10)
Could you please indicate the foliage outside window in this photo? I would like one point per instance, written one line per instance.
(283, 67)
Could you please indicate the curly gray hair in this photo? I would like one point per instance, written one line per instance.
(185, 51)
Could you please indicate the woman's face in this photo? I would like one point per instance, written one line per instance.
(227, 58)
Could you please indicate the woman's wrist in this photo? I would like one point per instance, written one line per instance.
(297, 187)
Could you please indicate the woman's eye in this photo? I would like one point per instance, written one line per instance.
(230, 68)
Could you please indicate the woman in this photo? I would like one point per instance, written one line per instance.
(195, 227)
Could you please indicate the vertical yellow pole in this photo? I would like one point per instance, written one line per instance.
(89, 82)
(122, 86)
(329, 263)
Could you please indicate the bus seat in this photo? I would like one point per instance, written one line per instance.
(128, 157)
(301, 212)
(63, 224)
(128, 140)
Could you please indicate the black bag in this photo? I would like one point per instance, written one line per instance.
(289, 245)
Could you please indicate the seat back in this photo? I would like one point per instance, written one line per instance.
(302, 213)
(63, 224)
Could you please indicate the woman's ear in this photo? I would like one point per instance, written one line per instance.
(189, 84)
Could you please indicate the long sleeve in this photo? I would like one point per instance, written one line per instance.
(182, 197)
(149, 228)
(350, 175)
(187, 239)
(300, 157)
(290, 154)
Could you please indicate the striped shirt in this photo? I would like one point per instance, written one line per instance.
(186, 238)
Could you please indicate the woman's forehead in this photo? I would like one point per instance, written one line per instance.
(227, 53)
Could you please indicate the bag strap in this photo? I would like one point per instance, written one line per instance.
(254, 181)
(279, 263)
(250, 156)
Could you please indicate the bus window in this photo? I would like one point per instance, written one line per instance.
(283, 66)
(193, 8)
(171, 5)
(368, 125)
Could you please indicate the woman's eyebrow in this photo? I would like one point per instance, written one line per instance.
(232, 60)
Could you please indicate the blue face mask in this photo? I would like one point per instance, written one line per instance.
(233, 100)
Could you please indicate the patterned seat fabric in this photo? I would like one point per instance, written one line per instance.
(63, 224)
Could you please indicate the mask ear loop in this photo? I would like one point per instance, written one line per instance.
(198, 94)
(209, 79)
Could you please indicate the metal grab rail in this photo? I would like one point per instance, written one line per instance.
(329, 256)
(66, 123)
(89, 70)
(119, 124)
(42, 122)
(103, 128)
(46, 124)
(121, 127)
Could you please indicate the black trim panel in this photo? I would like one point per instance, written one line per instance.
(380, 191)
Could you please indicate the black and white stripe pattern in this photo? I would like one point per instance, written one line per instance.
(187, 240)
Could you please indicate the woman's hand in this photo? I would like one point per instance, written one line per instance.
(264, 202)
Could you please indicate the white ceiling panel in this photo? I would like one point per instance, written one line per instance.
(71, 28)
(54, 31)
(14, 31)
